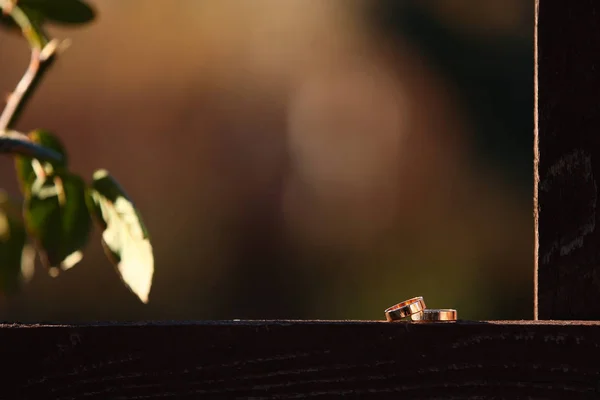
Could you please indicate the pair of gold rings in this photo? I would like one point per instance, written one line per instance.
(415, 310)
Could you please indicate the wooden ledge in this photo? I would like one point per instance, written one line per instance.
(298, 359)
(285, 322)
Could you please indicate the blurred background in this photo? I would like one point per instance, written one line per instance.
(297, 159)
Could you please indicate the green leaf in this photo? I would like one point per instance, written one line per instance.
(13, 238)
(71, 12)
(57, 217)
(25, 166)
(124, 237)
(49, 140)
(61, 11)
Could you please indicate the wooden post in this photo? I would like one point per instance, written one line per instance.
(568, 134)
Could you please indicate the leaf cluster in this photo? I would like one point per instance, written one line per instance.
(59, 208)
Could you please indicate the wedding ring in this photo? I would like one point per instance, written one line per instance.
(407, 308)
(431, 314)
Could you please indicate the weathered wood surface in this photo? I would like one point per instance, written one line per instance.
(291, 359)
(568, 276)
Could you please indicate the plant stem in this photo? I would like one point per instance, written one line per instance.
(13, 142)
(43, 53)
(41, 60)
(33, 33)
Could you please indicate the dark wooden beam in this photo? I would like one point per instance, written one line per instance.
(568, 259)
(292, 359)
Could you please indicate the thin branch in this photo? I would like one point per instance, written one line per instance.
(7, 6)
(43, 52)
(41, 60)
(13, 142)
(31, 31)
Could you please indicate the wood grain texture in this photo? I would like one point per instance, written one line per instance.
(568, 273)
(294, 359)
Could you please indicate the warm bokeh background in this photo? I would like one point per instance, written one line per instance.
(298, 158)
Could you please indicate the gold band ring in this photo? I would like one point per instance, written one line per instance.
(431, 314)
(405, 309)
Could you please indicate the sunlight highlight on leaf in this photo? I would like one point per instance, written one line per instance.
(124, 235)
(4, 227)
(57, 217)
(30, 170)
(71, 260)
(28, 262)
